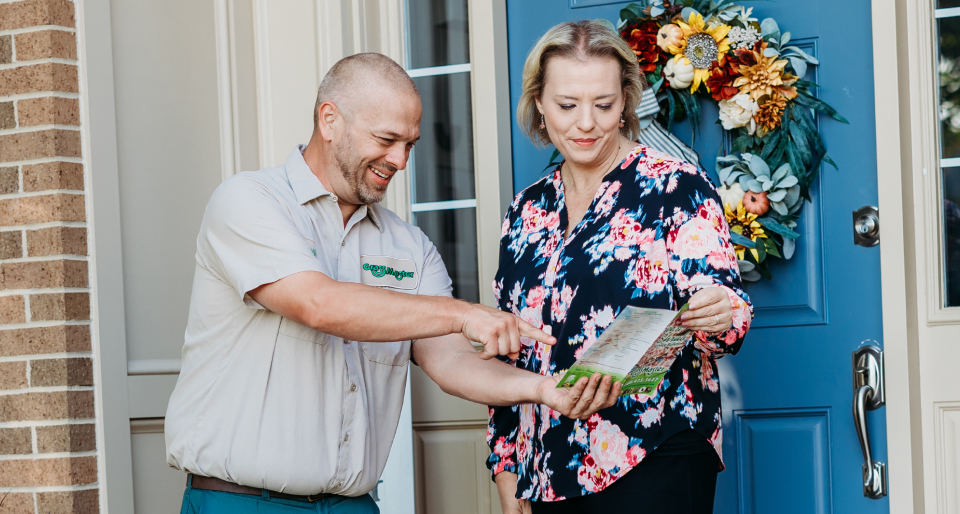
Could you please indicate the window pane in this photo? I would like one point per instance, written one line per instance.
(438, 32)
(944, 4)
(949, 72)
(951, 236)
(454, 232)
(443, 158)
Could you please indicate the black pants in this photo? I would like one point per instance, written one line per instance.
(668, 484)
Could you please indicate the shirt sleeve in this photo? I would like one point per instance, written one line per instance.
(702, 255)
(248, 238)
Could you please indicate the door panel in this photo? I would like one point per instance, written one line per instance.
(783, 456)
(169, 123)
(449, 452)
(794, 369)
(157, 488)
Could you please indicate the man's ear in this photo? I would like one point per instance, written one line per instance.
(328, 119)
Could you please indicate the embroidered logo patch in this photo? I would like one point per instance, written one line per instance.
(380, 270)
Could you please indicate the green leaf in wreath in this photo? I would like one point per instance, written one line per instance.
(787, 182)
(769, 28)
(774, 226)
(781, 172)
(777, 196)
(771, 247)
(801, 141)
(820, 105)
(757, 165)
(761, 250)
(606, 23)
(789, 246)
(806, 84)
(739, 239)
(770, 143)
(764, 271)
(828, 160)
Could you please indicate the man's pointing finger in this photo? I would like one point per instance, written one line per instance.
(528, 330)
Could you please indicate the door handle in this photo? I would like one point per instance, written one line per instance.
(868, 394)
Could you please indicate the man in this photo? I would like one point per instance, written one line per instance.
(307, 303)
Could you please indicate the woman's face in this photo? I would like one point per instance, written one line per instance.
(581, 105)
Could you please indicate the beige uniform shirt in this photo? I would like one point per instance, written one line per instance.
(265, 402)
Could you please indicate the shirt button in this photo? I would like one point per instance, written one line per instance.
(343, 243)
(346, 437)
(353, 387)
(337, 485)
(334, 198)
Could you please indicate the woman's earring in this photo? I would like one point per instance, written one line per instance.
(543, 124)
(621, 121)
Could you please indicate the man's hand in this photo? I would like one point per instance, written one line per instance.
(586, 397)
(499, 331)
(710, 311)
(507, 491)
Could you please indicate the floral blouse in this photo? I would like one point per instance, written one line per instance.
(654, 234)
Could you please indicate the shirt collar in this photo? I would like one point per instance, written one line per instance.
(306, 186)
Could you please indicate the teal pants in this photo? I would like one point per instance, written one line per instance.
(199, 501)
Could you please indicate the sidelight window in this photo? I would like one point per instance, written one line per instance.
(948, 32)
(442, 184)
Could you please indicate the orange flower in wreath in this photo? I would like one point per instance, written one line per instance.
(642, 38)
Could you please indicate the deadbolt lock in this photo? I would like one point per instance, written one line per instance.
(866, 226)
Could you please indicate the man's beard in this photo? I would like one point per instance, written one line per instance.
(354, 169)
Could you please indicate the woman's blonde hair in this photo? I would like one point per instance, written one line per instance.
(582, 40)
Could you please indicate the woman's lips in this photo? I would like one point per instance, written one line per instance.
(585, 142)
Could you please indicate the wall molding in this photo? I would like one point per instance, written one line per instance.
(261, 38)
(227, 88)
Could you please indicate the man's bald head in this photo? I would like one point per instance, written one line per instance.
(344, 85)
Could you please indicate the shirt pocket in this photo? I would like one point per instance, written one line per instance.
(290, 329)
(391, 354)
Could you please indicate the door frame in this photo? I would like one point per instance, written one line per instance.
(903, 387)
(108, 327)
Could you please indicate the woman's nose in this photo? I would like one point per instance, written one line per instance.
(585, 121)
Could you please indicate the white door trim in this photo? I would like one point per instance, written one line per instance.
(904, 470)
(493, 154)
(98, 131)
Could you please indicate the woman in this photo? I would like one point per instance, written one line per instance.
(577, 247)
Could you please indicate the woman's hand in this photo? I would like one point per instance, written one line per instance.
(507, 491)
(710, 311)
(583, 399)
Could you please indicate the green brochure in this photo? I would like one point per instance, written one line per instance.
(637, 349)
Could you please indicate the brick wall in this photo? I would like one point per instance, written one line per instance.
(48, 459)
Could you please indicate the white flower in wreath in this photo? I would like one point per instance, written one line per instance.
(738, 112)
(731, 195)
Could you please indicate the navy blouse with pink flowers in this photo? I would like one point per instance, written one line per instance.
(654, 235)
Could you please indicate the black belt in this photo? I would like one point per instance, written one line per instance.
(215, 484)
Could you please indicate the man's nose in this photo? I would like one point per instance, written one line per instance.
(398, 156)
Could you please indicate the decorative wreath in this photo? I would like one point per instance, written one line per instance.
(692, 49)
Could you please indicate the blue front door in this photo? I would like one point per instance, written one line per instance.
(790, 444)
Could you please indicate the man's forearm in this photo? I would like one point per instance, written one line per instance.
(453, 363)
(357, 312)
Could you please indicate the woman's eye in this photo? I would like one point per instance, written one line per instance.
(567, 107)
(605, 107)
